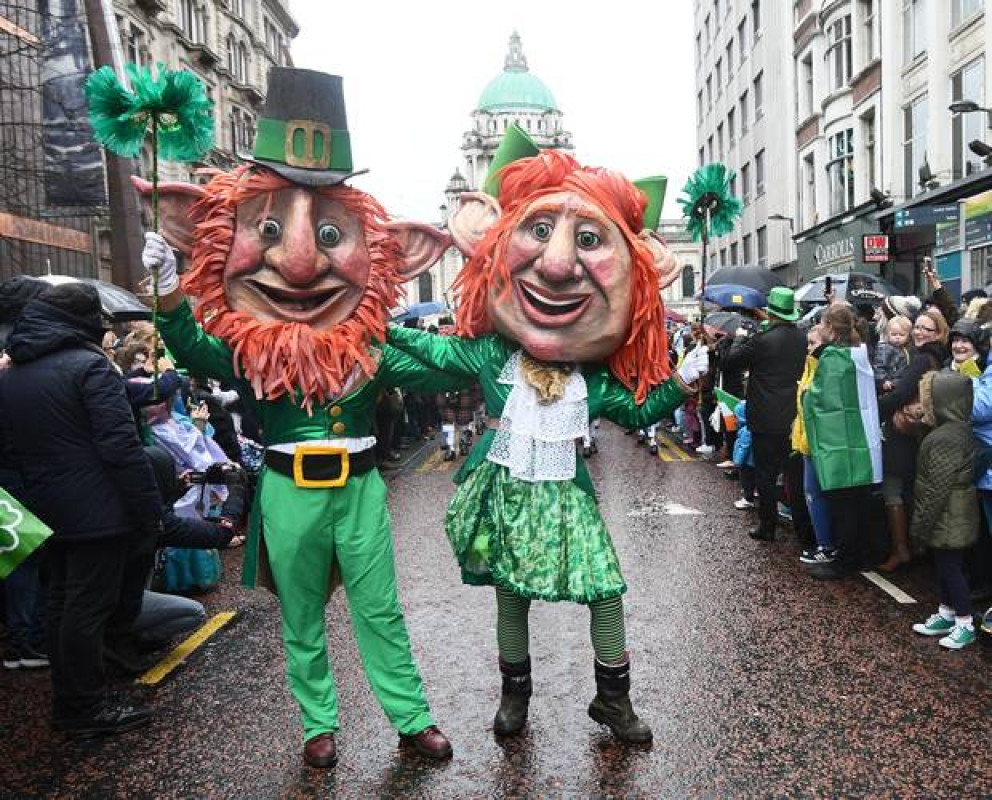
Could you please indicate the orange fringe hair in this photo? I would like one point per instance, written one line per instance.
(641, 363)
(285, 357)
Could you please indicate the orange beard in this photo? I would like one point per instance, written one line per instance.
(280, 358)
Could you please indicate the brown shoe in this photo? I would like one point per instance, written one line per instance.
(430, 742)
(321, 751)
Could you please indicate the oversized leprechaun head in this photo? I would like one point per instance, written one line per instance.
(561, 262)
(294, 269)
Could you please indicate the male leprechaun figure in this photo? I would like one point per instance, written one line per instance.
(293, 272)
(560, 320)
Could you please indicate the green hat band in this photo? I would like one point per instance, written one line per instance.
(303, 143)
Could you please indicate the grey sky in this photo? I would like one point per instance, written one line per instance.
(621, 72)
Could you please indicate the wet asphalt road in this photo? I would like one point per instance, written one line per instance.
(758, 681)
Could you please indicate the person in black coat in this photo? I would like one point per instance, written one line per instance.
(774, 359)
(68, 426)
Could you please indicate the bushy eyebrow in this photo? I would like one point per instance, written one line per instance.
(591, 214)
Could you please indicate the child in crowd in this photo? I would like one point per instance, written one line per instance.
(892, 354)
(945, 513)
(743, 456)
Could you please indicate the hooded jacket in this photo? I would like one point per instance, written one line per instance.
(68, 427)
(945, 510)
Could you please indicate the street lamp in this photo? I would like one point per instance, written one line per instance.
(970, 106)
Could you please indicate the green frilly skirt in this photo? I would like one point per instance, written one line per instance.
(544, 540)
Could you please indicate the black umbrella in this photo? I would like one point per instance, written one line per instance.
(727, 322)
(764, 280)
(854, 287)
(118, 304)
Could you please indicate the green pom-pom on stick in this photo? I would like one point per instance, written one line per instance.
(707, 204)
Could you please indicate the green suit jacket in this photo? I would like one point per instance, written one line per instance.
(483, 359)
(284, 420)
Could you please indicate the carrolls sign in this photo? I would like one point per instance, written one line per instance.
(834, 253)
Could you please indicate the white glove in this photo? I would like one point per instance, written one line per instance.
(158, 255)
(695, 364)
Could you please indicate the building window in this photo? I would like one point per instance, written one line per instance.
(868, 137)
(746, 187)
(702, 156)
(733, 184)
(425, 287)
(747, 250)
(723, 257)
(709, 35)
(242, 131)
(840, 171)
(709, 92)
(743, 113)
(193, 20)
(839, 52)
(981, 267)
(699, 106)
(742, 39)
(806, 87)
(756, 18)
(716, 12)
(719, 141)
(731, 122)
(762, 233)
(733, 254)
(868, 21)
(968, 83)
(688, 281)
(709, 148)
(719, 76)
(914, 144)
(962, 10)
(914, 30)
(759, 96)
(238, 8)
(759, 173)
(730, 61)
(808, 189)
(699, 49)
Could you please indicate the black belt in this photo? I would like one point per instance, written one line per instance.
(316, 468)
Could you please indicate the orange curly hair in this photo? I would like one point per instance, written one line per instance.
(283, 357)
(642, 361)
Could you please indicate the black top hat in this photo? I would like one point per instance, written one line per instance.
(303, 131)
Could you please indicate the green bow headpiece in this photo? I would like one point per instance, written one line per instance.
(517, 144)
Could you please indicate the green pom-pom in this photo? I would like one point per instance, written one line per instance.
(175, 101)
(110, 106)
(708, 188)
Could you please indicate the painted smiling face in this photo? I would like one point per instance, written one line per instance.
(298, 256)
(570, 273)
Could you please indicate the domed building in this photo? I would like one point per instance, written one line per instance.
(515, 95)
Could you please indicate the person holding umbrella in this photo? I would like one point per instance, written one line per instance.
(774, 359)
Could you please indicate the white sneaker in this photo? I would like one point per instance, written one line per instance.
(743, 504)
(728, 464)
(705, 449)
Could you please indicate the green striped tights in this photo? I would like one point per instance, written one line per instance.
(606, 628)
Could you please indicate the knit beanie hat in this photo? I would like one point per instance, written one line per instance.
(80, 300)
(904, 305)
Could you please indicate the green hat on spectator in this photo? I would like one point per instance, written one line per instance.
(782, 304)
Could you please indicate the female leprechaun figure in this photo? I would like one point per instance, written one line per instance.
(560, 320)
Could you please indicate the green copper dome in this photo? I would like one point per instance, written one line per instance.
(516, 88)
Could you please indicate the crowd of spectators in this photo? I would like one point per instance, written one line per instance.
(868, 428)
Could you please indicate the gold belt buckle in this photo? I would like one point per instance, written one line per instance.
(320, 450)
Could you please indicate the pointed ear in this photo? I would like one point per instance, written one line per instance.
(477, 213)
(422, 246)
(665, 261)
(175, 202)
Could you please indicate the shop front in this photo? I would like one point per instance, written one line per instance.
(850, 242)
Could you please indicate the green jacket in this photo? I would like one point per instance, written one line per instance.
(945, 502)
(483, 359)
(284, 420)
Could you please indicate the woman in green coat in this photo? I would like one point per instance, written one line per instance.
(560, 320)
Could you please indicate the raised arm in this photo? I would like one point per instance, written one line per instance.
(619, 405)
(463, 357)
(403, 370)
(194, 349)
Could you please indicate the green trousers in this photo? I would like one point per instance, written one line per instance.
(305, 531)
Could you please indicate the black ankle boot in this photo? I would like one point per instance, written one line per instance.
(515, 699)
(611, 705)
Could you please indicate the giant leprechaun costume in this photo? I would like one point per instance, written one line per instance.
(294, 273)
(560, 319)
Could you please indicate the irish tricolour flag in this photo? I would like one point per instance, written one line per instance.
(841, 415)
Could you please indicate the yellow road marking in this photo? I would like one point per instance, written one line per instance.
(431, 462)
(185, 648)
(677, 452)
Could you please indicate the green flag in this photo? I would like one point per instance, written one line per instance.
(726, 398)
(21, 533)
